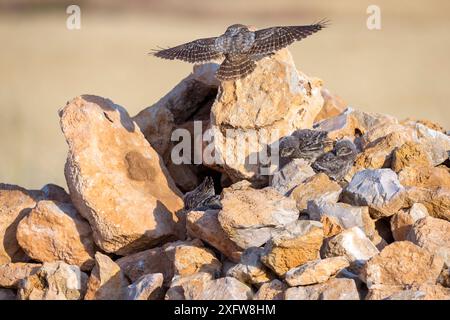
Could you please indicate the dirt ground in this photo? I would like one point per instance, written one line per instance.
(402, 69)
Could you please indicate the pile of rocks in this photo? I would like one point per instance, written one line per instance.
(122, 230)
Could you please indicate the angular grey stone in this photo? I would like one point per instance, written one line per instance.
(378, 189)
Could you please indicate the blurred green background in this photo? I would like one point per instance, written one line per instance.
(403, 69)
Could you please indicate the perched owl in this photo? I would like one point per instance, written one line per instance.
(305, 144)
(203, 197)
(338, 161)
(239, 47)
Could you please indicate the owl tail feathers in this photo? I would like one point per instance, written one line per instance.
(235, 69)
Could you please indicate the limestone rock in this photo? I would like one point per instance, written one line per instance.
(190, 257)
(378, 189)
(401, 263)
(15, 204)
(424, 291)
(333, 289)
(333, 105)
(291, 175)
(54, 281)
(188, 287)
(205, 225)
(175, 258)
(273, 290)
(264, 108)
(227, 288)
(116, 180)
(199, 287)
(317, 187)
(146, 262)
(353, 244)
(378, 154)
(410, 154)
(433, 235)
(429, 186)
(331, 226)
(12, 273)
(402, 222)
(316, 271)
(147, 287)
(298, 243)
(347, 216)
(107, 281)
(7, 294)
(158, 121)
(352, 122)
(434, 142)
(250, 269)
(55, 231)
(249, 216)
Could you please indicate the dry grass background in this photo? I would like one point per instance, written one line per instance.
(403, 70)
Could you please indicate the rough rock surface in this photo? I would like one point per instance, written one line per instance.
(316, 271)
(429, 186)
(346, 216)
(107, 281)
(425, 291)
(188, 287)
(116, 180)
(205, 225)
(353, 244)
(291, 175)
(273, 290)
(250, 216)
(200, 287)
(402, 263)
(402, 222)
(250, 269)
(12, 273)
(190, 257)
(410, 154)
(147, 287)
(175, 258)
(55, 231)
(298, 243)
(378, 189)
(351, 122)
(54, 281)
(266, 107)
(333, 289)
(433, 235)
(317, 187)
(15, 204)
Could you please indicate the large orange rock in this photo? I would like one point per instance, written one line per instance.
(11, 274)
(116, 180)
(250, 216)
(402, 263)
(205, 225)
(107, 281)
(55, 231)
(299, 243)
(256, 111)
(15, 204)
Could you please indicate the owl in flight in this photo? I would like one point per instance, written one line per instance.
(239, 47)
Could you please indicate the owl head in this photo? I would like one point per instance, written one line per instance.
(288, 145)
(345, 148)
(235, 29)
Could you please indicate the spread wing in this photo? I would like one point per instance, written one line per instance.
(201, 50)
(275, 38)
